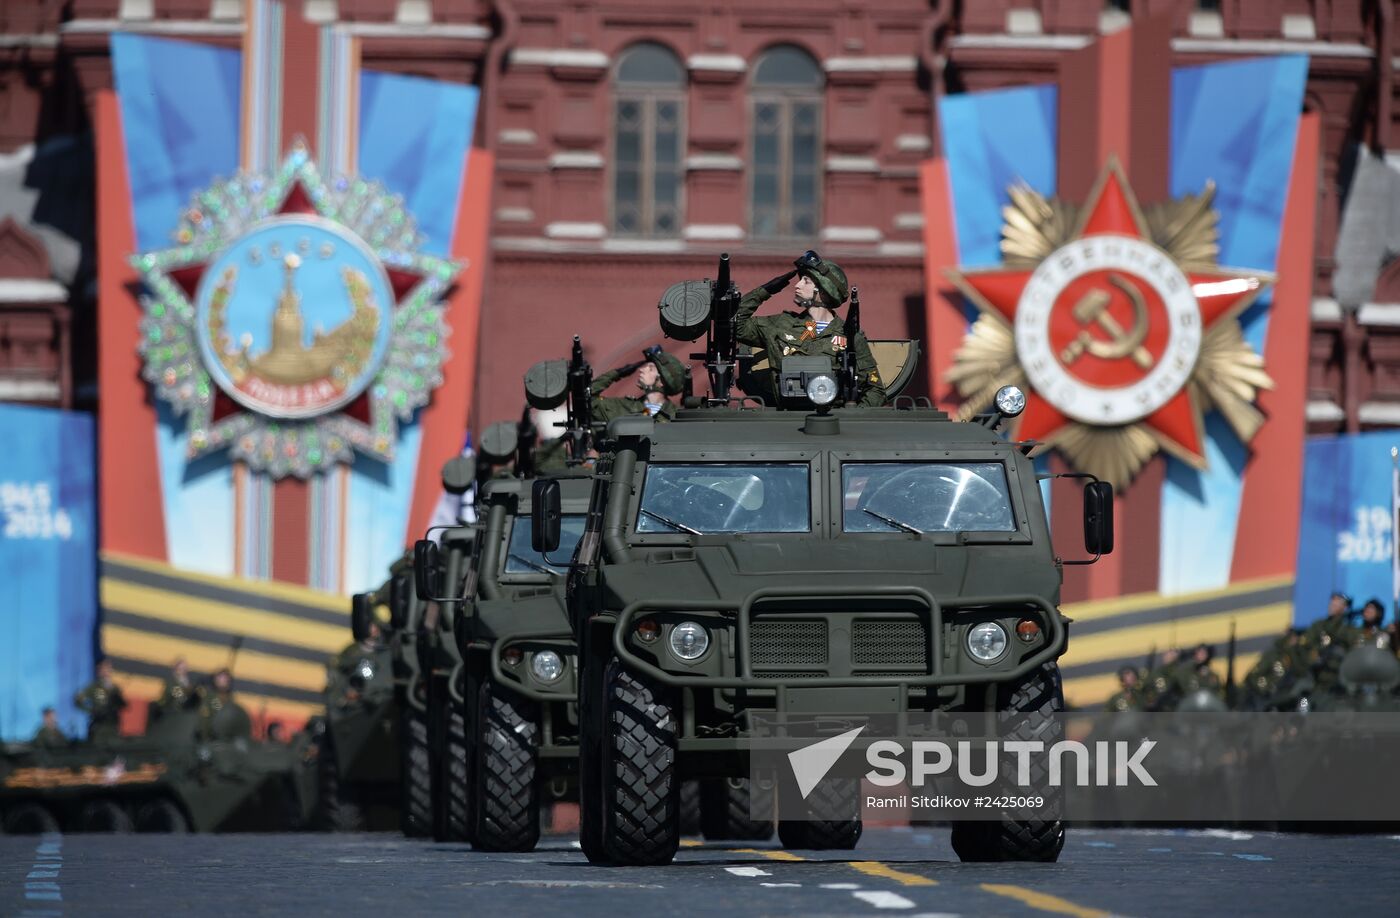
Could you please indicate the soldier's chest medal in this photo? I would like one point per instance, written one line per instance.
(1120, 321)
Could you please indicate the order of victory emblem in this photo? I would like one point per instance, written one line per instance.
(1120, 320)
(295, 321)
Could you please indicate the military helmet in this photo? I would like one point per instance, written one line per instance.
(673, 372)
(827, 275)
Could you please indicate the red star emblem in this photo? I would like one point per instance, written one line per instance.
(1108, 328)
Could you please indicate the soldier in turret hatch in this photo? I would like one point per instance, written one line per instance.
(222, 718)
(814, 328)
(179, 692)
(103, 702)
(659, 376)
(50, 735)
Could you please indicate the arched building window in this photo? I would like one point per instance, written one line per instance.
(648, 115)
(785, 162)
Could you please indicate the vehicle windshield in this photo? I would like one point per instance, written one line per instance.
(722, 497)
(522, 559)
(925, 497)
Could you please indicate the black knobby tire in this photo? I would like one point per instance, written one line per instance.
(591, 818)
(104, 816)
(640, 787)
(1031, 704)
(726, 805)
(456, 775)
(688, 807)
(831, 797)
(507, 808)
(339, 809)
(162, 816)
(416, 812)
(29, 819)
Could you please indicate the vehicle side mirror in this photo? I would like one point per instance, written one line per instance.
(545, 516)
(1098, 518)
(361, 615)
(425, 569)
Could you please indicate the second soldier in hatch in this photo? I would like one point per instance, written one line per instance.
(103, 702)
(814, 328)
(659, 376)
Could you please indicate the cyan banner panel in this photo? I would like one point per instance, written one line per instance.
(1346, 542)
(48, 567)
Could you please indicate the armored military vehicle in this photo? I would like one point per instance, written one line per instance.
(408, 667)
(169, 781)
(745, 559)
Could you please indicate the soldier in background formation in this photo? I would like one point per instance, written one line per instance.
(1301, 663)
(222, 718)
(179, 692)
(103, 703)
(50, 735)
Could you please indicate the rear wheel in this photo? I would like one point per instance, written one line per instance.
(457, 775)
(29, 819)
(830, 798)
(726, 805)
(416, 788)
(104, 816)
(506, 796)
(640, 788)
(689, 808)
(162, 816)
(339, 808)
(1029, 706)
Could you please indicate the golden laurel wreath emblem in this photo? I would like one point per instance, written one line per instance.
(1228, 373)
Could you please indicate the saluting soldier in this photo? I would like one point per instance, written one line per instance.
(1126, 698)
(659, 376)
(50, 735)
(1327, 640)
(813, 329)
(179, 692)
(1372, 632)
(103, 702)
(222, 718)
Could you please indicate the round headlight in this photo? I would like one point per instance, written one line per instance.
(1011, 401)
(547, 666)
(821, 390)
(689, 641)
(986, 642)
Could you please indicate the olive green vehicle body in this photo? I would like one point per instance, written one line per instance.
(215, 786)
(894, 607)
(525, 611)
(359, 757)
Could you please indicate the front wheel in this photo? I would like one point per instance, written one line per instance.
(727, 805)
(1029, 709)
(505, 798)
(640, 787)
(416, 777)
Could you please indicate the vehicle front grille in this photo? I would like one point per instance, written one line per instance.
(788, 643)
(887, 643)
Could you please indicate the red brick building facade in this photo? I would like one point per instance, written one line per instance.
(636, 140)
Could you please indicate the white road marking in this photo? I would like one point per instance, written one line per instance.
(748, 872)
(881, 898)
(781, 885)
(1226, 833)
(576, 844)
(840, 886)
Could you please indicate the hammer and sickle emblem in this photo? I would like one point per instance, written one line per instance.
(1092, 309)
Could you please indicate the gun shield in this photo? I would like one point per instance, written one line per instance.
(498, 442)
(685, 309)
(547, 384)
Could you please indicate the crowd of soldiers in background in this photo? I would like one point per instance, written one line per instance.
(1300, 664)
(220, 717)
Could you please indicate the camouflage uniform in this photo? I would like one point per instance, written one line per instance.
(177, 696)
(672, 376)
(795, 333)
(552, 455)
(50, 737)
(103, 704)
(222, 718)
